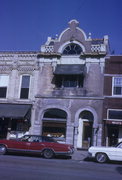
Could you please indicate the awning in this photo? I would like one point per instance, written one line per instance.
(66, 69)
(15, 111)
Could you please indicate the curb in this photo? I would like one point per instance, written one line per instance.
(80, 155)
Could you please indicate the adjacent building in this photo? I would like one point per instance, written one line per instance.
(57, 91)
(112, 109)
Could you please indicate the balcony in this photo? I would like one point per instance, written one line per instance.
(60, 92)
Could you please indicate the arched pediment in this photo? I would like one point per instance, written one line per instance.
(73, 33)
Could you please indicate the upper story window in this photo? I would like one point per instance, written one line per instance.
(72, 49)
(4, 80)
(117, 86)
(69, 81)
(25, 83)
(67, 75)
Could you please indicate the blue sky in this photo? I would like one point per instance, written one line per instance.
(26, 24)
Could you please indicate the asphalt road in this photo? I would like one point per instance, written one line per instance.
(36, 168)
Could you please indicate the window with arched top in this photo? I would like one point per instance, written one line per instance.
(54, 123)
(72, 49)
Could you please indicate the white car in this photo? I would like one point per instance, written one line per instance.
(102, 154)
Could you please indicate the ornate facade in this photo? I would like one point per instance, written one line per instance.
(58, 90)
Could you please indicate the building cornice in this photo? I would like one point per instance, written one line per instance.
(49, 55)
(69, 97)
(94, 54)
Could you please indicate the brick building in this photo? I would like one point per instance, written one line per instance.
(57, 91)
(112, 109)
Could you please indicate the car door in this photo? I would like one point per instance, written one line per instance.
(115, 153)
(119, 152)
(36, 145)
(21, 145)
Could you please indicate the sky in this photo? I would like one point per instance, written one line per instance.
(26, 24)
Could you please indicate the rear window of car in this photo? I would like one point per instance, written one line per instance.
(48, 139)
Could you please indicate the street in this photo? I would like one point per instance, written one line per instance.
(14, 167)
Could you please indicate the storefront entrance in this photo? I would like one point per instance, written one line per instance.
(14, 120)
(3, 128)
(84, 140)
(87, 134)
(13, 128)
(113, 134)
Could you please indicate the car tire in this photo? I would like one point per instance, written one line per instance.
(48, 153)
(101, 157)
(2, 149)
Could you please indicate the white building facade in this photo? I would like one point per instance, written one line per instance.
(57, 91)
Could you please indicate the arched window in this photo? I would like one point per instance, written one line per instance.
(87, 115)
(72, 49)
(54, 123)
(55, 113)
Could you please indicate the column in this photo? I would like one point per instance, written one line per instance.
(12, 84)
(69, 134)
(80, 134)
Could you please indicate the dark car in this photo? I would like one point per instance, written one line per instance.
(34, 144)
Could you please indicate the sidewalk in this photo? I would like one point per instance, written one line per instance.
(79, 154)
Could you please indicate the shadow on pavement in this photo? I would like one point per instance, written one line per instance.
(38, 156)
(119, 170)
(108, 162)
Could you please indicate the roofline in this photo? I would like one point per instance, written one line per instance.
(20, 52)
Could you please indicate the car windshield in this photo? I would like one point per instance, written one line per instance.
(119, 145)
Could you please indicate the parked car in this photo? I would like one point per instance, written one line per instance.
(34, 144)
(102, 154)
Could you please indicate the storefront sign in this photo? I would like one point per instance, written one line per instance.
(114, 122)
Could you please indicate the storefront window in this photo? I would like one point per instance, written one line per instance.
(114, 114)
(54, 124)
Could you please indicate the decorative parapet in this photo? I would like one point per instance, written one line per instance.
(48, 49)
(100, 45)
(75, 35)
(98, 48)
